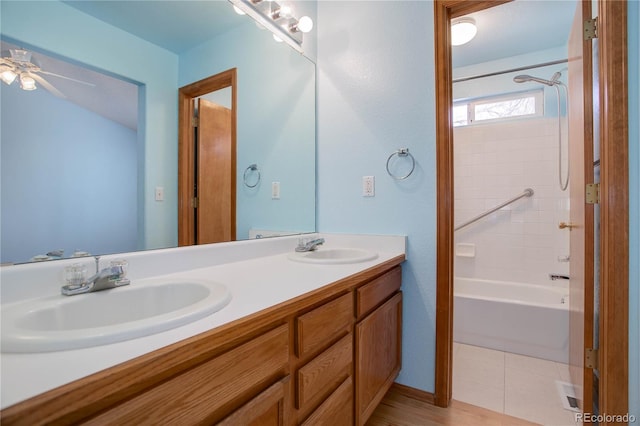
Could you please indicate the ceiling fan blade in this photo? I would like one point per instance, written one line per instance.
(44, 83)
(67, 78)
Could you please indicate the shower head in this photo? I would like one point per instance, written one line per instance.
(523, 78)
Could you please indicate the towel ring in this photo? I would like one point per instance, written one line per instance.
(402, 152)
(251, 168)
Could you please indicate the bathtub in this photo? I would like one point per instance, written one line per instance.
(526, 319)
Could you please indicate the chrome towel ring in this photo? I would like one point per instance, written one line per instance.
(247, 173)
(401, 153)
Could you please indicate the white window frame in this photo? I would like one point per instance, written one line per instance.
(471, 104)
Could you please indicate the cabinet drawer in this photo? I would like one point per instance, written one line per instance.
(335, 410)
(207, 392)
(266, 409)
(377, 291)
(320, 376)
(319, 327)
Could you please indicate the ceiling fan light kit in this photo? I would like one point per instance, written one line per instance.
(19, 64)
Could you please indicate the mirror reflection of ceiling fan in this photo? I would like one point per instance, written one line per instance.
(18, 64)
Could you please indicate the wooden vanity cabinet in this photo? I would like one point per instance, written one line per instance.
(207, 392)
(378, 341)
(325, 358)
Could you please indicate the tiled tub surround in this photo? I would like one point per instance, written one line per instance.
(493, 163)
(257, 272)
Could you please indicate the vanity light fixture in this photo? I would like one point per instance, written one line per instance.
(463, 31)
(278, 19)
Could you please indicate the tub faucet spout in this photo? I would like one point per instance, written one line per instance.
(554, 277)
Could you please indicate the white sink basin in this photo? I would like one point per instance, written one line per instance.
(71, 322)
(333, 256)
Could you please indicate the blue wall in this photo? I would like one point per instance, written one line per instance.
(375, 95)
(634, 207)
(55, 27)
(276, 124)
(48, 196)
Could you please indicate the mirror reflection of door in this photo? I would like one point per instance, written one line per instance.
(214, 189)
(207, 160)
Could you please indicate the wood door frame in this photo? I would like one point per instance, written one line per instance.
(614, 201)
(186, 152)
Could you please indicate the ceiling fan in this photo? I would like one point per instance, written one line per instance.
(18, 64)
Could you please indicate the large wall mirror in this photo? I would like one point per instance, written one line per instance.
(94, 179)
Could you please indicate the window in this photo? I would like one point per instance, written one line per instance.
(515, 105)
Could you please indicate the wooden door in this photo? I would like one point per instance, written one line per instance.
(215, 213)
(581, 284)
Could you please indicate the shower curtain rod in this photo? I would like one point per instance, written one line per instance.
(491, 74)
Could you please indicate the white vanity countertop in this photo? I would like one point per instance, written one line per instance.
(256, 283)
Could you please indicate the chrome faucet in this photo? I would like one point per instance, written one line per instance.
(554, 277)
(110, 277)
(310, 245)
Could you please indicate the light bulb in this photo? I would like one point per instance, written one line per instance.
(8, 76)
(276, 38)
(285, 12)
(305, 24)
(463, 31)
(238, 10)
(27, 83)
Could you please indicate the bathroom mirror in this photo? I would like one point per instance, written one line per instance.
(275, 124)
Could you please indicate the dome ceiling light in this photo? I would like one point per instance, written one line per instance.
(463, 31)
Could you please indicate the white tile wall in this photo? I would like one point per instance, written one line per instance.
(495, 162)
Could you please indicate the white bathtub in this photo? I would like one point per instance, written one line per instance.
(514, 317)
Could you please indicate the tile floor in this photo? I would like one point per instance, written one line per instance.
(512, 384)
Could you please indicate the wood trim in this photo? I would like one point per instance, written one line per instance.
(413, 393)
(186, 155)
(614, 207)
(444, 11)
(444, 216)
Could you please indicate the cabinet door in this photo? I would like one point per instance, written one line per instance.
(266, 409)
(378, 355)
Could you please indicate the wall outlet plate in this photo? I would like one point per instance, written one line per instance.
(368, 186)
